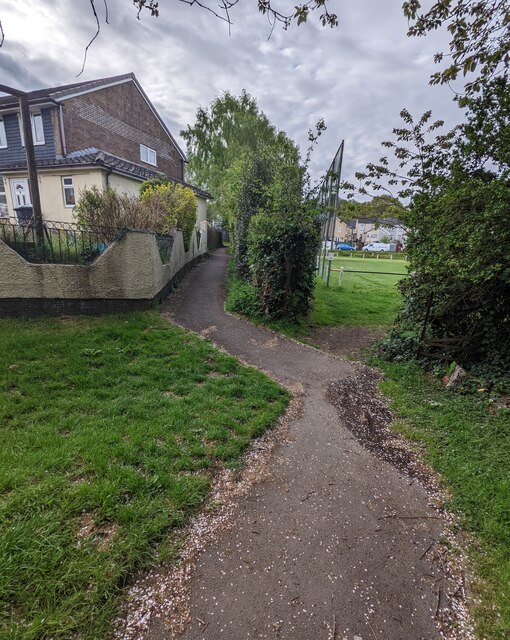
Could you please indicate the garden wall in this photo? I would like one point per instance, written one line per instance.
(129, 274)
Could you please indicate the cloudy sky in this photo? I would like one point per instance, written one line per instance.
(357, 76)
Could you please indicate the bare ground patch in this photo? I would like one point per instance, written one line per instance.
(344, 341)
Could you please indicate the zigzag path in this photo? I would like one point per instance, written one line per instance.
(316, 551)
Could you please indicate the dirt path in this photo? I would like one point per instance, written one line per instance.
(335, 544)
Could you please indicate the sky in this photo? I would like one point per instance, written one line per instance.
(357, 76)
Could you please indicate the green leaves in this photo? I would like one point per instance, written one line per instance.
(479, 37)
(172, 205)
(282, 252)
(223, 132)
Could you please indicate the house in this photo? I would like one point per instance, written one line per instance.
(384, 231)
(343, 230)
(103, 133)
(361, 231)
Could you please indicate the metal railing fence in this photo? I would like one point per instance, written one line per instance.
(56, 242)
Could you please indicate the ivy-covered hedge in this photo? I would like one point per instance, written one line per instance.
(282, 253)
(251, 197)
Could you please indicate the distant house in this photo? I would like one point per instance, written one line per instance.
(344, 230)
(385, 230)
(361, 231)
(103, 133)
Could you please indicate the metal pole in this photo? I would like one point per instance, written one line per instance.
(33, 182)
(329, 199)
(341, 277)
(329, 270)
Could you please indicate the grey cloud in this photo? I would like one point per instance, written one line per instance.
(358, 76)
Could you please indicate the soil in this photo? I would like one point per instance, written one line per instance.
(365, 412)
(345, 341)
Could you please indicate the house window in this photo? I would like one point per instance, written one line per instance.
(148, 155)
(68, 189)
(3, 137)
(37, 128)
(4, 211)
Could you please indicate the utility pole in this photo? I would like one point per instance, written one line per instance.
(33, 183)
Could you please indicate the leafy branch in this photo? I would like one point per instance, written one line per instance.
(479, 37)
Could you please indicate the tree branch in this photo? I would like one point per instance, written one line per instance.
(98, 30)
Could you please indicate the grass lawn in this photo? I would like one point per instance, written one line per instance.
(467, 440)
(110, 429)
(364, 299)
(369, 300)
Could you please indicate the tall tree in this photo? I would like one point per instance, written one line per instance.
(222, 134)
(458, 297)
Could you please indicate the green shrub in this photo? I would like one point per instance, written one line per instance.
(162, 207)
(153, 182)
(172, 206)
(458, 300)
(251, 196)
(241, 297)
(282, 252)
(107, 208)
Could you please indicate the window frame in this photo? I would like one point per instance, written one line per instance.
(65, 188)
(3, 192)
(3, 134)
(148, 150)
(33, 114)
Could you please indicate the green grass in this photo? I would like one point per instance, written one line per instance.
(380, 255)
(468, 442)
(364, 299)
(369, 300)
(110, 430)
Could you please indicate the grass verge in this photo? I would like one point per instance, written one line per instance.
(110, 430)
(467, 440)
(364, 299)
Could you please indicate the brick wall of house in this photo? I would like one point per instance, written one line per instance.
(118, 119)
(59, 149)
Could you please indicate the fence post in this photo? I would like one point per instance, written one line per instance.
(330, 260)
(341, 276)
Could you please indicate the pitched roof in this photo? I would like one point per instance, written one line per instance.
(103, 160)
(66, 91)
(54, 93)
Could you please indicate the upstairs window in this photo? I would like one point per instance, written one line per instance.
(148, 155)
(37, 128)
(68, 190)
(3, 137)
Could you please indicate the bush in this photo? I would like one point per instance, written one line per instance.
(459, 249)
(162, 207)
(282, 253)
(107, 208)
(172, 206)
(251, 197)
(241, 296)
(458, 300)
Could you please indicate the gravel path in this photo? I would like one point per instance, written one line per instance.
(336, 543)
